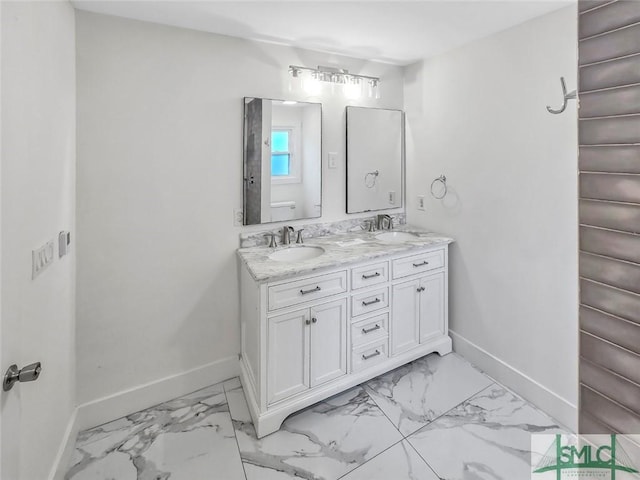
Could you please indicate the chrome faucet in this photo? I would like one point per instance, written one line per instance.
(286, 231)
(381, 220)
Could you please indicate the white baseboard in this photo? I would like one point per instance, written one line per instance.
(63, 458)
(539, 395)
(124, 403)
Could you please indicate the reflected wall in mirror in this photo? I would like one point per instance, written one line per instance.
(282, 160)
(374, 159)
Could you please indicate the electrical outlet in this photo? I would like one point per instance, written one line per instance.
(238, 217)
(41, 258)
(420, 202)
(332, 160)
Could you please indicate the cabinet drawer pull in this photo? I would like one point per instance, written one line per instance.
(372, 329)
(367, 277)
(366, 304)
(304, 292)
(421, 264)
(371, 355)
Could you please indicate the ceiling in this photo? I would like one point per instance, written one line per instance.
(398, 32)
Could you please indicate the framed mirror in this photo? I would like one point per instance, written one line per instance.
(282, 166)
(375, 149)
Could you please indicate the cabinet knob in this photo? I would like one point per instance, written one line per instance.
(307, 322)
(314, 320)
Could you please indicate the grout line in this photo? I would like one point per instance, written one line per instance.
(607, 229)
(607, 32)
(598, 62)
(224, 389)
(377, 455)
(596, 7)
(589, 172)
(423, 459)
(603, 395)
(607, 285)
(607, 89)
(609, 257)
(588, 145)
(609, 202)
(617, 115)
(444, 414)
(382, 410)
(613, 315)
(609, 342)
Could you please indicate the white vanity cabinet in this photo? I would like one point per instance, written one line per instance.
(310, 336)
(419, 294)
(306, 348)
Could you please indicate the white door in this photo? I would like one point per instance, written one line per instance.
(431, 307)
(37, 97)
(328, 341)
(288, 355)
(405, 315)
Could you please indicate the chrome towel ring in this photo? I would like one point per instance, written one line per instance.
(370, 179)
(440, 180)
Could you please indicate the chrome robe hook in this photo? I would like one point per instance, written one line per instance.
(567, 97)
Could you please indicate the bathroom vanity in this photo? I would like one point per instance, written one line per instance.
(359, 305)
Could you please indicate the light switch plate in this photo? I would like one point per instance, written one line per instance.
(41, 258)
(420, 202)
(237, 217)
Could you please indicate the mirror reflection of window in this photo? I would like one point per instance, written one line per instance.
(280, 152)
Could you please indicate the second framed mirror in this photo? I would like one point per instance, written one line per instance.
(375, 152)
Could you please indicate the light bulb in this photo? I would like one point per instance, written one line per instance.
(374, 89)
(312, 85)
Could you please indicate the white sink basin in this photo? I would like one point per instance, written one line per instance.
(396, 236)
(296, 254)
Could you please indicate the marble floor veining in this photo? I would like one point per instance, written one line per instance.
(435, 418)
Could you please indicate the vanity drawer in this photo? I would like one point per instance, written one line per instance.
(300, 291)
(368, 330)
(369, 275)
(369, 355)
(370, 301)
(403, 267)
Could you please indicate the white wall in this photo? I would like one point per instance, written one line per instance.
(38, 201)
(159, 173)
(477, 115)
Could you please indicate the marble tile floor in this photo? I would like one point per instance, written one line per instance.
(436, 418)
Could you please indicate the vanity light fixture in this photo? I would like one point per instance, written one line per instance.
(353, 86)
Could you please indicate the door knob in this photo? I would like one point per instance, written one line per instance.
(26, 374)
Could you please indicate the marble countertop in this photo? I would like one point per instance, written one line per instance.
(341, 249)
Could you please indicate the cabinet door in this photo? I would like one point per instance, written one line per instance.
(328, 341)
(287, 355)
(405, 315)
(431, 307)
